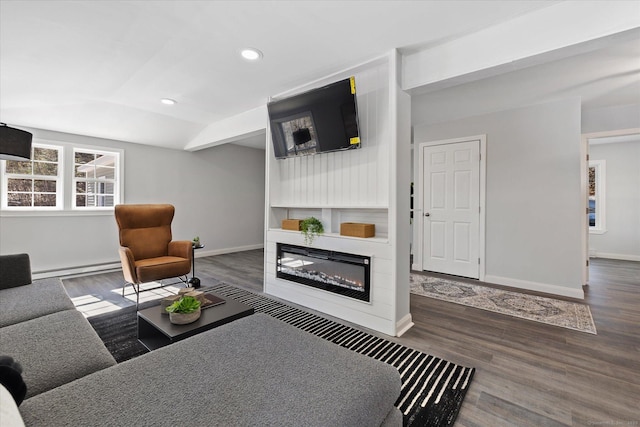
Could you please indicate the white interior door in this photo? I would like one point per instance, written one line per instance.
(451, 208)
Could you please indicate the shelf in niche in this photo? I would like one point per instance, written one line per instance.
(338, 235)
(294, 206)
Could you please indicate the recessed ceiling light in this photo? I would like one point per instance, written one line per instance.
(168, 101)
(251, 54)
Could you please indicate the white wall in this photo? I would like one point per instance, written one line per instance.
(611, 118)
(533, 204)
(622, 201)
(218, 194)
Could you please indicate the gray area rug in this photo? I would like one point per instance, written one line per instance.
(551, 311)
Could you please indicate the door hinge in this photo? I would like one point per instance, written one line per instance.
(587, 209)
(478, 261)
(587, 263)
(587, 157)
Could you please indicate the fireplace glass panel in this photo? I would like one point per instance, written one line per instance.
(337, 272)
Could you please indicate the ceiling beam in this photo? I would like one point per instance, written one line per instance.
(243, 125)
(551, 33)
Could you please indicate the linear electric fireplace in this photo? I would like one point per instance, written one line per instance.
(337, 272)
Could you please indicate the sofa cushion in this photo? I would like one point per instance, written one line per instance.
(54, 350)
(253, 371)
(27, 302)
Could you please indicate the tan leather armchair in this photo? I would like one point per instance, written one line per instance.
(146, 250)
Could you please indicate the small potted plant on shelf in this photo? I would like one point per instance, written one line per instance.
(311, 228)
(196, 241)
(185, 310)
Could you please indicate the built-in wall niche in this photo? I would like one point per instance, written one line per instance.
(331, 218)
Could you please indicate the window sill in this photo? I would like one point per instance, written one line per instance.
(54, 213)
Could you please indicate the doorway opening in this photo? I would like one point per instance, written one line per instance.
(608, 170)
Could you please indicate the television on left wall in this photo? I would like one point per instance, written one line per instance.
(318, 121)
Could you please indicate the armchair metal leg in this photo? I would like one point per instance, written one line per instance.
(137, 291)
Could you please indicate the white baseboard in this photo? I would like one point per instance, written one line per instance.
(623, 257)
(535, 286)
(404, 324)
(115, 265)
(77, 271)
(202, 253)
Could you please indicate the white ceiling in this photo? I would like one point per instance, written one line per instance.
(602, 78)
(100, 68)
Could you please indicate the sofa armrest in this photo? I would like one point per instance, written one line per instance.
(181, 248)
(15, 270)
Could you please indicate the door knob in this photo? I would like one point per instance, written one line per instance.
(427, 214)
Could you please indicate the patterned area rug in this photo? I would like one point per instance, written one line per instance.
(551, 311)
(432, 388)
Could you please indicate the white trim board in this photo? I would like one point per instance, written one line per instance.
(535, 286)
(404, 324)
(85, 270)
(200, 253)
(623, 257)
(115, 266)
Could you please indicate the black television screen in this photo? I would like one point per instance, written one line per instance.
(320, 120)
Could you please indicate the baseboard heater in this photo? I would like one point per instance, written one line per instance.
(337, 272)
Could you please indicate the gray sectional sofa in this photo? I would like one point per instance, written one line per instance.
(253, 371)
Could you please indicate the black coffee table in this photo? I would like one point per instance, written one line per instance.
(155, 330)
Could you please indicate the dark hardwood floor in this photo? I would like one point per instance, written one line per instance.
(528, 373)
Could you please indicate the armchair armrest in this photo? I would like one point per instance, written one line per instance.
(181, 248)
(15, 270)
(128, 262)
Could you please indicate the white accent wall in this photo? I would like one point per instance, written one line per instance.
(622, 201)
(218, 194)
(533, 198)
(370, 185)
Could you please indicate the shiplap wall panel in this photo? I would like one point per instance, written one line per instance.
(345, 178)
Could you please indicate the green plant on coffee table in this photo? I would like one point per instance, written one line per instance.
(196, 241)
(184, 305)
(311, 228)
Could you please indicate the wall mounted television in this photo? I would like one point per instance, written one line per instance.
(318, 121)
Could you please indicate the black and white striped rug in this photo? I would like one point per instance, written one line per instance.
(432, 388)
